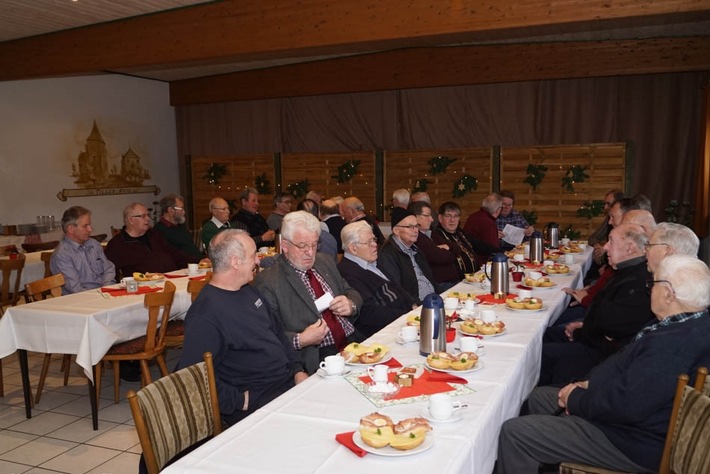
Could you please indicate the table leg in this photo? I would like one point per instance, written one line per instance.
(26, 389)
(94, 402)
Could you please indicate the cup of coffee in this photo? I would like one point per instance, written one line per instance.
(564, 241)
(488, 315)
(451, 304)
(569, 259)
(534, 275)
(131, 284)
(378, 373)
(469, 304)
(548, 263)
(526, 250)
(517, 276)
(333, 365)
(442, 406)
(582, 246)
(519, 257)
(468, 344)
(522, 294)
(408, 333)
(193, 268)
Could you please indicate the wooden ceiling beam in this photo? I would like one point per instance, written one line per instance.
(450, 66)
(247, 30)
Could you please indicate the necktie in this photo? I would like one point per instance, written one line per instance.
(333, 324)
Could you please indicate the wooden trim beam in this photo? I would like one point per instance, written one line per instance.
(248, 30)
(451, 66)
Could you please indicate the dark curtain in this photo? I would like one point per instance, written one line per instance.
(659, 114)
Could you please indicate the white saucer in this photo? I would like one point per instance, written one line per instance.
(455, 416)
(324, 374)
(399, 340)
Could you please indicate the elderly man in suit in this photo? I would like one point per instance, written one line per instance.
(299, 278)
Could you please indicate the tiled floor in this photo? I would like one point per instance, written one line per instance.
(59, 437)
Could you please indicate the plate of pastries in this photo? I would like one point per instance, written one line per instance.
(364, 355)
(143, 278)
(557, 269)
(524, 304)
(478, 327)
(542, 283)
(461, 363)
(379, 434)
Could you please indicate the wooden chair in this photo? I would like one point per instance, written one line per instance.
(99, 237)
(46, 257)
(115, 231)
(144, 348)
(176, 329)
(685, 451)
(40, 246)
(37, 291)
(176, 412)
(10, 291)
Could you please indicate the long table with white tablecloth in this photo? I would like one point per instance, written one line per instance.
(296, 432)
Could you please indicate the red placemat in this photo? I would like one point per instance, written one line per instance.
(424, 384)
(346, 439)
(199, 277)
(167, 275)
(122, 291)
(488, 298)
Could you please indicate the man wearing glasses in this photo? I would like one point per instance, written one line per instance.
(670, 239)
(509, 216)
(219, 221)
(305, 291)
(138, 248)
(172, 225)
(401, 260)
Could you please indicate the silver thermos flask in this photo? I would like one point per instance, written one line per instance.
(553, 234)
(499, 275)
(536, 248)
(432, 325)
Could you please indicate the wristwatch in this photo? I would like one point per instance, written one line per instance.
(353, 306)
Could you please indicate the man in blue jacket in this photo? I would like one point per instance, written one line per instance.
(618, 417)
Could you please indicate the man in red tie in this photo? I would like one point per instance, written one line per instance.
(305, 291)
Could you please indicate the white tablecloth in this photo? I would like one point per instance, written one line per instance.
(86, 324)
(296, 432)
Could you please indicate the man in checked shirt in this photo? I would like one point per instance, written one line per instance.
(301, 276)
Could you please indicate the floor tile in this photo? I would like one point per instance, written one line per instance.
(10, 440)
(124, 463)
(120, 437)
(14, 415)
(80, 430)
(44, 423)
(120, 413)
(80, 459)
(38, 451)
(13, 468)
(51, 400)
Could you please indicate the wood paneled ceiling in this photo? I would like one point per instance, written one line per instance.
(249, 49)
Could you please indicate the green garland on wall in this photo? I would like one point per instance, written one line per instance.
(575, 174)
(420, 185)
(299, 188)
(535, 175)
(591, 209)
(346, 171)
(262, 184)
(464, 185)
(215, 172)
(439, 164)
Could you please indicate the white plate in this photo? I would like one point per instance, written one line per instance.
(324, 374)
(525, 310)
(478, 366)
(390, 451)
(399, 340)
(526, 287)
(387, 357)
(150, 282)
(455, 416)
(458, 328)
(479, 352)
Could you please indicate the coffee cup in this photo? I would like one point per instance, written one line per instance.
(408, 333)
(522, 294)
(442, 406)
(378, 373)
(333, 365)
(488, 315)
(526, 251)
(517, 276)
(468, 344)
(193, 268)
(131, 284)
(564, 241)
(548, 263)
(451, 304)
(582, 246)
(469, 304)
(519, 257)
(569, 259)
(534, 275)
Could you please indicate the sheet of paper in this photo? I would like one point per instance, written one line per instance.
(513, 235)
(323, 302)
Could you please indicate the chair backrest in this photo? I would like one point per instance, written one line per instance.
(99, 237)
(115, 231)
(41, 289)
(175, 412)
(158, 305)
(686, 450)
(46, 257)
(195, 286)
(40, 246)
(9, 291)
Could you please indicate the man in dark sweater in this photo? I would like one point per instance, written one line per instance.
(620, 309)
(618, 418)
(254, 362)
(249, 219)
(172, 225)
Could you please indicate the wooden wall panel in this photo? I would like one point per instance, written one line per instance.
(241, 172)
(551, 201)
(404, 168)
(319, 169)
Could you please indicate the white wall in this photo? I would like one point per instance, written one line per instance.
(44, 124)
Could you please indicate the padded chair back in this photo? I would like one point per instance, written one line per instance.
(176, 412)
(41, 289)
(10, 289)
(158, 305)
(40, 246)
(195, 286)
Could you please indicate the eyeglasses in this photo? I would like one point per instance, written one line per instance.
(304, 247)
(141, 216)
(372, 241)
(410, 226)
(650, 283)
(451, 216)
(425, 215)
(506, 205)
(647, 245)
